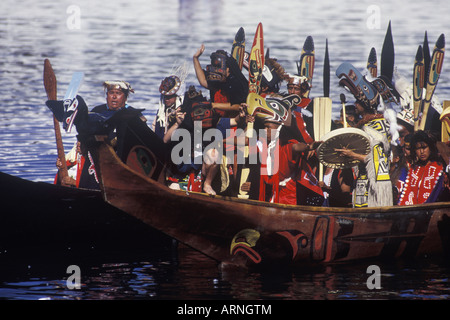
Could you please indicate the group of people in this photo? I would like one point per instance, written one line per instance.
(411, 170)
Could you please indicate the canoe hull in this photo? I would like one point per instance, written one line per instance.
(252, 233)
(40, 220)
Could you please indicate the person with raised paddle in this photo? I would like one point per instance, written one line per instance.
(285, 176)
(101, 120)
(50, 85)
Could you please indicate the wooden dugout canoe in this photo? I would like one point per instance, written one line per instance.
(253, 233)
(41, 219)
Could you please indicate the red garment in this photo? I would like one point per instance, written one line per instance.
(220, 97)
(290, 172)
(420, 182)
(287, 175)
(69, 164)
(300, 122)
(80, 165)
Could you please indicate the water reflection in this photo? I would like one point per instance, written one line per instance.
(191, 276)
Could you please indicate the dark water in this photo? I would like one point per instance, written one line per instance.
(188, 275)
(141, 41)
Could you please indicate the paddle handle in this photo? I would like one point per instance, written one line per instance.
(344, 116)
(416, 105)
(245, 170)
(51, 90)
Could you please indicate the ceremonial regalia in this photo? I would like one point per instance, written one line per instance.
(423, 184)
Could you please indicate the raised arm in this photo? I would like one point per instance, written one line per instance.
(199, 72)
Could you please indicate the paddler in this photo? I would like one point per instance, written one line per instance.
(285, 170)
(373, 185)
(169, 102)
(303, 117)
(223, 78)
(98, 122)
(228, 89)
(117, 93)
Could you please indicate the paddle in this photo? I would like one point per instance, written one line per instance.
(70, 101)
(305, 66)
(387, 55)
(372, 64)
(255, 67)
(50, 89)
(418, 84)
(238, 47)
(322, 107)
(344, 114)
(433, 74)
(426, 53)
(326, 72)
(445, 119)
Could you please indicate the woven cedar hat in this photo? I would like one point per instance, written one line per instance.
(170, 85)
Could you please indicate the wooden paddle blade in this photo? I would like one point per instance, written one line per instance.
(51, 90)
(307, 61)
(372, 63)
(445, 119)
(426, 53)
(418, 84)
(238, 47)
(256, 61)
(49, 81)
(322, 107)
(326, 72)
(244, 177)
(388, 55)
(258, 105)
(436, 63)
(275, 109)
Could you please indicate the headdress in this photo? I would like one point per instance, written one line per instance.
(298, 81)
(271, 109)
(362, 89)
(273, 74)
(406, 117)
(202, 111)
(216, 71)
(170, 85)
(117, 84)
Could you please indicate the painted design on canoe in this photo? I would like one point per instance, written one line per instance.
(333, 238)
